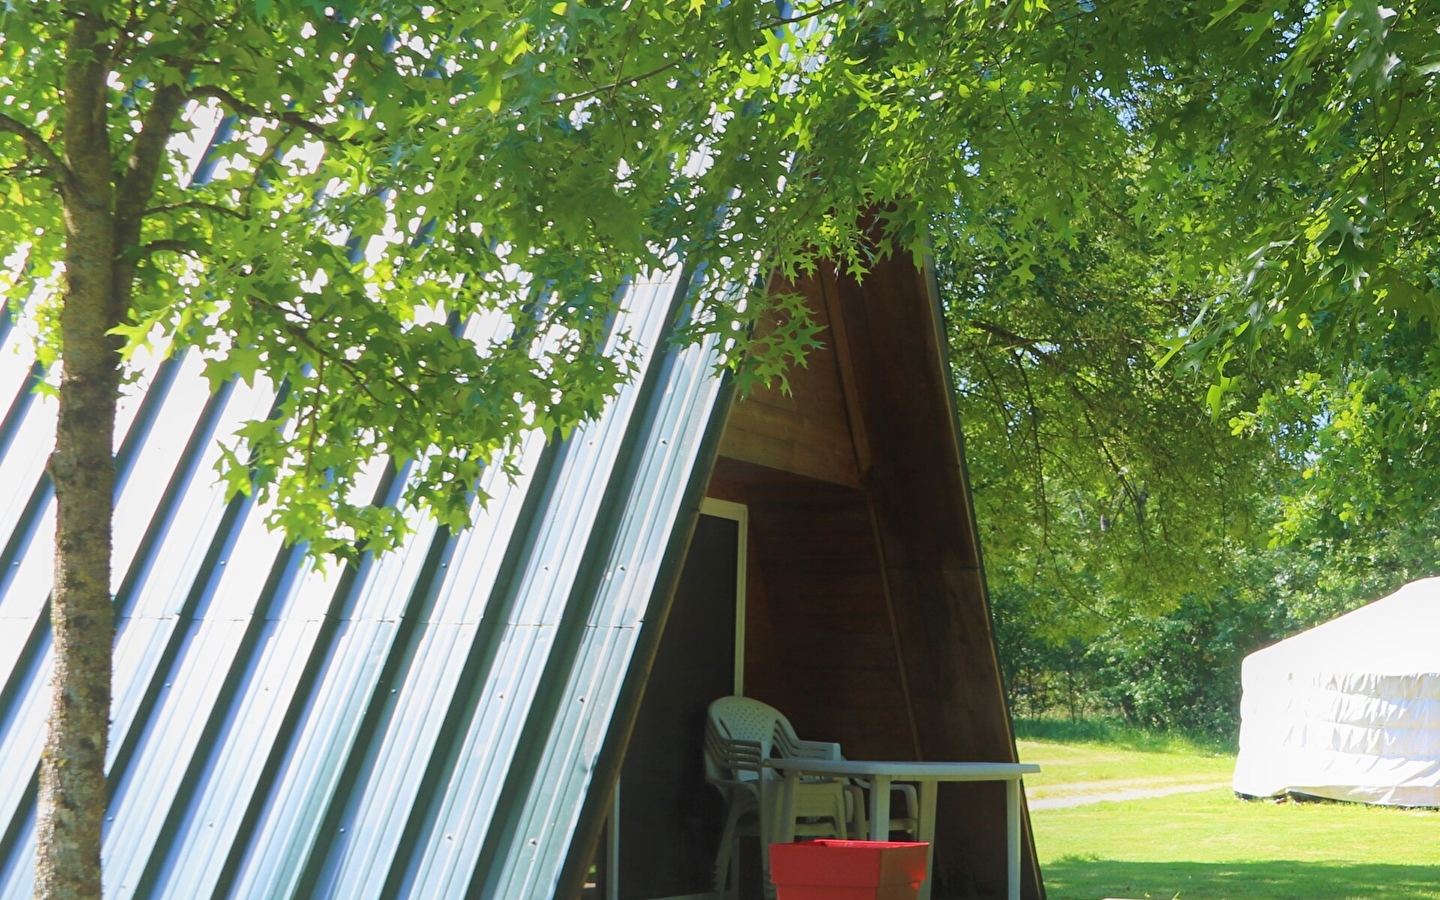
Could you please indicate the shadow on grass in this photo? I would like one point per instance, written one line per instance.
(1077, 878)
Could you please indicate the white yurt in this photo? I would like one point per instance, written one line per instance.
(1349, 710)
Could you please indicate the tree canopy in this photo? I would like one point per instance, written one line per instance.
(1273, 156)
(1264, 244)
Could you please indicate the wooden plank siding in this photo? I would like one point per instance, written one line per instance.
(819, 644)
(805, 431)
(867, 617)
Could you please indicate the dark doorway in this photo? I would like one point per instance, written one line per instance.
(670, 818)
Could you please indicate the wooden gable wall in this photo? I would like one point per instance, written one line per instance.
(867, 619)
(806, 431)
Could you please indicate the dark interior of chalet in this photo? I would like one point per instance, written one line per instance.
(864, 614)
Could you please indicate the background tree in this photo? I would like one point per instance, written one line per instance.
(1118, 516)
(1267, 242)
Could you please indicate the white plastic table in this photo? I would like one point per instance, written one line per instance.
(926, 774)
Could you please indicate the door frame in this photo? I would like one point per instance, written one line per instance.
(739, 513)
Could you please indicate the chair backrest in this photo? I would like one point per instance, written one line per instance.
(739, 735)
(744, 719)
(742, 733)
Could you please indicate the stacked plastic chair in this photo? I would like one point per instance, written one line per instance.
(740, 735)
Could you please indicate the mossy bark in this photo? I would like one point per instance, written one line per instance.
(72, 771)
(104, 208)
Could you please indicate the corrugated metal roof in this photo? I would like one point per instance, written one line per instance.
(423, 724)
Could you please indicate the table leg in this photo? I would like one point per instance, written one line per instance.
(1012, 837)
(880, 808)
(929, 790)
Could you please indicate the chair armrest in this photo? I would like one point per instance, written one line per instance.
(733, 754)
(813, 750)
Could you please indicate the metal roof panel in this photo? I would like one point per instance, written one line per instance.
(280, 731)
(668, 449)
(198, 852)
(24, 461)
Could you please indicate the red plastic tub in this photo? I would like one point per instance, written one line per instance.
(848, 870)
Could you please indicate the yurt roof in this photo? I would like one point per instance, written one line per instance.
(1396, 635)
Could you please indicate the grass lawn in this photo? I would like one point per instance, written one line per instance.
(1207, 845)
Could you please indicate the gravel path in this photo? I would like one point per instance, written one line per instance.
(1112, 792)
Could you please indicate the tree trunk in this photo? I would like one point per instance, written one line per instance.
(72, 801)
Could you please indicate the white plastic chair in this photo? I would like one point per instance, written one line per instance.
(740, 735)
(859, 823)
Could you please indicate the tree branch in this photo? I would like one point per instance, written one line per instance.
(171, 246)
(820, 11)
(127, 31)
(299, 331)
(39, 146)
(272, 152)
(610, 88)
(194, 204)
(136, 185)
(20, 170)
(1011, 338)
(241, 107)
(630, 79)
